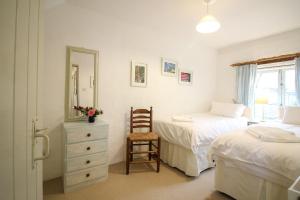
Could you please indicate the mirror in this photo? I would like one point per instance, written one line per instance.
(81, 81)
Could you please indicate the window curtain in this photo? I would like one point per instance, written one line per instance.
(245, 83)
(297, 79)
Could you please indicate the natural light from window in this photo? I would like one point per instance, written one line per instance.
(275, 87)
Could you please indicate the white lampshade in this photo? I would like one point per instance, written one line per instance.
(208, 24)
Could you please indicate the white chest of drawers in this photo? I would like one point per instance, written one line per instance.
(85, 154)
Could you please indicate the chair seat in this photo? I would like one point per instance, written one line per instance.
(150, 136)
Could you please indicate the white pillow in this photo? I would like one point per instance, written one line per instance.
(291, 115)
(227, 109)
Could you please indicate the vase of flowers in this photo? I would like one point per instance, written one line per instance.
(91, 119)
(90, 112)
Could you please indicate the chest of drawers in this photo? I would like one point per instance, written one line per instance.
(85, 154)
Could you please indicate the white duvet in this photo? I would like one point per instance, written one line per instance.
(196, 130)
(273, 133)
(282, 158)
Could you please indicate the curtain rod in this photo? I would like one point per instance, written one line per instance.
(275, 59)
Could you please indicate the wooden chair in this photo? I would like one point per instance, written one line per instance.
(142, 118)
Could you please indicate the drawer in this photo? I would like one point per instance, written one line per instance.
(85, 175)
(83, 134)
(83, 162)
(85, 148)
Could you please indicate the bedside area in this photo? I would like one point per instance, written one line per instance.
(85, 154)
(249, 123)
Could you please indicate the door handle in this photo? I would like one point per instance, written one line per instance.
(41, 130)
(37, 133)
(47, 142)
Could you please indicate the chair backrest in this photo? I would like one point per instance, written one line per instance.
(140, 118)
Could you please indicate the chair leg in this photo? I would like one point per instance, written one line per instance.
(158, 155)
(127, 155)
(131, 150)
(150, 149)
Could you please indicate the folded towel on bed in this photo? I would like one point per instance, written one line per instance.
(273, 134)
(182, 118)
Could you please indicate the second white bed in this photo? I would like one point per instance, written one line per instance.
(186, 139)
(257, 166)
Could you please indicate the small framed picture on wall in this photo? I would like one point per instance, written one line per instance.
(169, 67)
(138, 74)
(185, 77)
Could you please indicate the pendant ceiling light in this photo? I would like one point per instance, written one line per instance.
(208, 24)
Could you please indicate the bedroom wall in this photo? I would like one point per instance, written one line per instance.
(288, 42)
(119, 43)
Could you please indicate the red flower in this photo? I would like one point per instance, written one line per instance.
(91, 112)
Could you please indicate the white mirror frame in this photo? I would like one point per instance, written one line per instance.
(68, 97)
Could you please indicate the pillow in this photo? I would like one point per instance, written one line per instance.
(292, 115)
(227, 109)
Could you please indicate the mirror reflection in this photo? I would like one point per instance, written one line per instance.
(82, 64)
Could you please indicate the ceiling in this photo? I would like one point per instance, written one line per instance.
(241, 20)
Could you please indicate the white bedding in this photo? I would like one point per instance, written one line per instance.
(274, 134)
(281, 158)
(238, 182)
(184, 159)
(200, 130)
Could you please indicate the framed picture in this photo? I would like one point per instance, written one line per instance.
(185, 77)
(169, 67)
(138, 74)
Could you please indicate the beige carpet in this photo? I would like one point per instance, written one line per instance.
(142, 184)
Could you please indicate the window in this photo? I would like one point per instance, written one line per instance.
(274, 87)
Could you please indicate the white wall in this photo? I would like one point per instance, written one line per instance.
(276, 45)
(119, 43)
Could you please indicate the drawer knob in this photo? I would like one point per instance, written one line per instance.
(88, 148)
(88, 135)
(88, 162)
(87, 175)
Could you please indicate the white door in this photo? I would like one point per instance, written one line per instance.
(20, 59)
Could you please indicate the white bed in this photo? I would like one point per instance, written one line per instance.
(185, 141)
(252, 167)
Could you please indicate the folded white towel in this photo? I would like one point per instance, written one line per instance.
(182, 118)
(273, 134)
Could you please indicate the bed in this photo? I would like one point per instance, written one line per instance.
(186, 138)
(257, 163)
